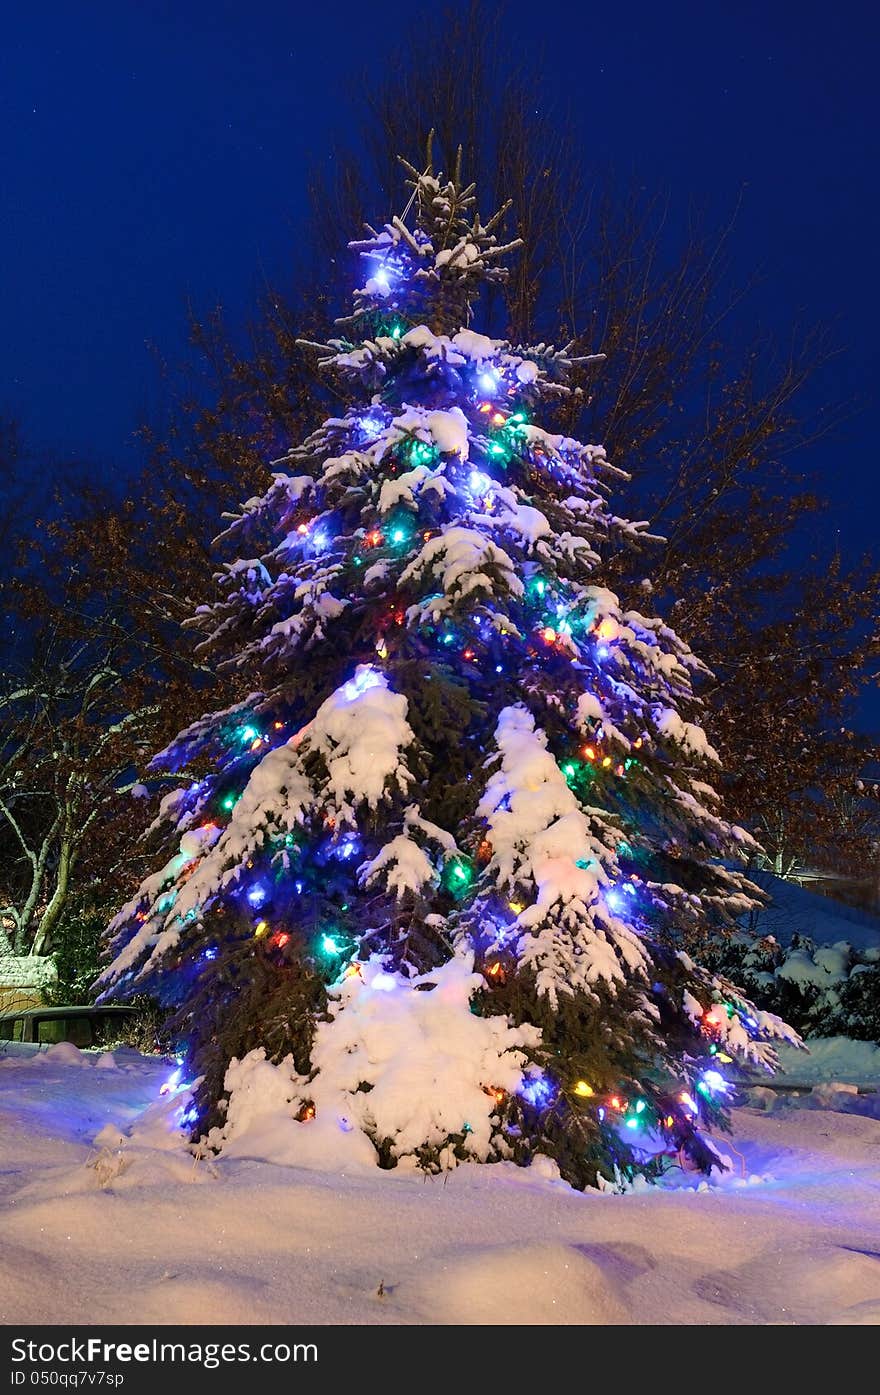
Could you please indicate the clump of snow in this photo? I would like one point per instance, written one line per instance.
(527, 523)
(478, 348)
(406, 487)
(527, 1283)
(450, 432)
(361, 731)
(589, 710)
(826, 965)
(64, 1053)
(688, 735)
(464, 562)
(527, 371)
(402, 865)
(828, 1092)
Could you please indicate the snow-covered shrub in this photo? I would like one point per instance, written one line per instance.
(822, 990)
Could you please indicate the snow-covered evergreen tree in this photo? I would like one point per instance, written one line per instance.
(433, 886)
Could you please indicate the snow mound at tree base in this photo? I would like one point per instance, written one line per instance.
(402, 1064)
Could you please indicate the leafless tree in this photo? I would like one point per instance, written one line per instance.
(69, 743)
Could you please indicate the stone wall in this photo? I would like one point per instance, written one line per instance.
(23, 982)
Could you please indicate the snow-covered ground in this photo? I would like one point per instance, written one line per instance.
(132, 1230)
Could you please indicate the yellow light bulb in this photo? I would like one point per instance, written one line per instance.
(582, 1088)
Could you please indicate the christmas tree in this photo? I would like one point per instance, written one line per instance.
(434, 885)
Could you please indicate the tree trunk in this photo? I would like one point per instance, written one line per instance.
(57, 901)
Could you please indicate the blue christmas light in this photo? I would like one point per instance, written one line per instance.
(171, 1083)
(479, 483)
(488, 382)
(369, 425)
(713, 1081)
(257, 894)
(537, 1090)
(366, 677)
(347, 847)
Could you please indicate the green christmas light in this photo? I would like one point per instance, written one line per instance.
(400, 532)
(422, 453)
(329, 945)
(458, 875)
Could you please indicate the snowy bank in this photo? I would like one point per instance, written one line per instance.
(786, 1237)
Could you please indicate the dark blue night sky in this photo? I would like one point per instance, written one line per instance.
(156, 153)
